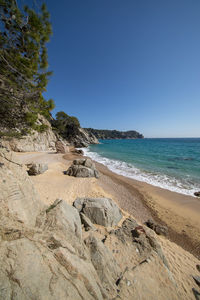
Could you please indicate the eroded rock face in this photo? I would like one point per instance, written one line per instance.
(83, 138)
(36, 169)
(83, 168)
(18, 196)
(102, 211)
(86, 222)
(104, 263)
(159, 229)
(37, 141)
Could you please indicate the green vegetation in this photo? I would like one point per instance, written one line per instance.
(66, 125)
(24, 65)
(114, 134)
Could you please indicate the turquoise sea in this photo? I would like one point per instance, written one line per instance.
(173, 164)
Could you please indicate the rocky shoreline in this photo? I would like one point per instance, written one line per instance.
(91, 250)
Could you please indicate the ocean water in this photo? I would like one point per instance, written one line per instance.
(173, 164)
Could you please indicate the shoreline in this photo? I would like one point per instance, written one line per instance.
(143, 201)
(147, 179)
(180, 213)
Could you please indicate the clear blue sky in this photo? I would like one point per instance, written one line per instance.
(127, 64)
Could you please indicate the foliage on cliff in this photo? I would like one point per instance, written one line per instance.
(24, 64)
(67, 126)
(114, 134)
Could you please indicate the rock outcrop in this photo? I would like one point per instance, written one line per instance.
(83, 168)
(37, 141)
(104, 263)
(83, 138)
(36, 169)
(18, 196)
(159, 229)
(101, 211)
(45, 252)
(49, 140)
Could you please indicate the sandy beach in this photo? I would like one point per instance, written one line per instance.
(180, 213)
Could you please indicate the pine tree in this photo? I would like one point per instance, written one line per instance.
(24, 63)
(66, 125)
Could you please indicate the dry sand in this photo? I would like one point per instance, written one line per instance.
(180, 213)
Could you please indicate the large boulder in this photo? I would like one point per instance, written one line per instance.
(61, 147)
(83, 168)
(101, 211)
(64, 217)
(36, 169)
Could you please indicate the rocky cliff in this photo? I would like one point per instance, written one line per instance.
(46, 141)
(83, 138)
(35, 141)
(46, 252)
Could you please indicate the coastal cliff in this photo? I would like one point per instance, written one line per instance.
(45, 140)
(82, 138)
(34, 141)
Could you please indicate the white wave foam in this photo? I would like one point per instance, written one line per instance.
(128, 170)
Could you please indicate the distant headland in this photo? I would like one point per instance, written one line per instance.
(104, 134)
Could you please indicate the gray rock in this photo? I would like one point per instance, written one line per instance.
(196, 294)
(102, 211)
(87, 223)
(36, 169)
(30, 270)
(105, 264)
(63, 216)
(198, 267)
(89, 164)
(78, 151)
(159, 229)
(197, 194)
(82, 168)
(79, 161)
(197, 279)
(78, 204)
(126, 230)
